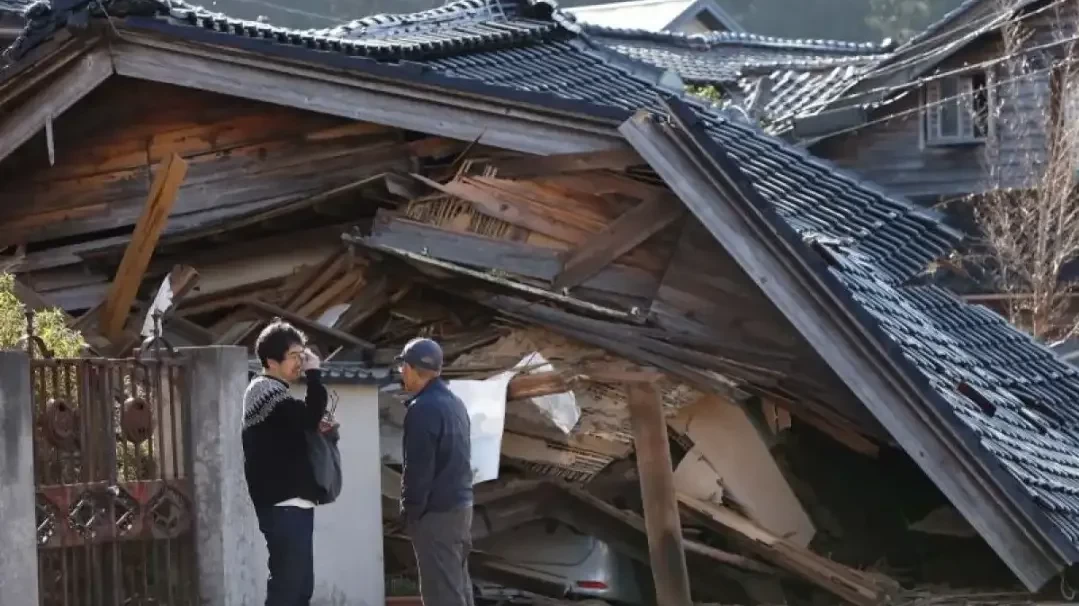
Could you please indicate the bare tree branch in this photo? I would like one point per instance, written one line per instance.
(1029, 216)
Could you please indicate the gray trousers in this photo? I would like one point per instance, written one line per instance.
(442, 541)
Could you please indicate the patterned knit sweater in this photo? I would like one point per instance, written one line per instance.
(275, 445)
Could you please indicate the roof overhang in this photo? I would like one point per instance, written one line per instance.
(797, 281)
(405, 95)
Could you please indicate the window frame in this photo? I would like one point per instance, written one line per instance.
(966, 121)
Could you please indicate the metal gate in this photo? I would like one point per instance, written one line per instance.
(114, 507)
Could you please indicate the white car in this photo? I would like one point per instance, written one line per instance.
(591, 570)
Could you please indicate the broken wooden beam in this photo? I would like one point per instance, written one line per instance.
(661, 517)
(627, 232)
(625, 530)
(536, 385)
(492, 254)
(151, 223)
(854, 586)
(310, 325)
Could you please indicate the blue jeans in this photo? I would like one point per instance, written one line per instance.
(289, 538)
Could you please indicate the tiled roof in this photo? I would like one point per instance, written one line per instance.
(1019, 400)
(1017, 396)
(652, 15)
(720, 57)
(877, 242)
(15, 6)
(961, 26)
(794, 89)
(345, 373)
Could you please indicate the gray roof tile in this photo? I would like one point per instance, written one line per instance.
(720, 57)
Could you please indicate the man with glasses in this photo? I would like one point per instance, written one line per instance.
(280, 477)
(436, 482)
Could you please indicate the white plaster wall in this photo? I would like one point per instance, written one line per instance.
(348, 532)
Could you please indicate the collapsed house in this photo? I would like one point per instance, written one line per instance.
(760, 373)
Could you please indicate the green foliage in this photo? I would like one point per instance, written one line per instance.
(49, 324)
(708, 93)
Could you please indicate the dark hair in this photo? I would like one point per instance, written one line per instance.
(275, 340)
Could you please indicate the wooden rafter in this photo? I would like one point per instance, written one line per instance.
(155, 215)
(627, 232)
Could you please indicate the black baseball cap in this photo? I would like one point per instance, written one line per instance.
(421, 353)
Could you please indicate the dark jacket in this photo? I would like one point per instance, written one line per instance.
(276, 463)
(437, 449)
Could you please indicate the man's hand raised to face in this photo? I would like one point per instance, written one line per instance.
(310, 360)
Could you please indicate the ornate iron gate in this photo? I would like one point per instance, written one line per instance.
(114, 507)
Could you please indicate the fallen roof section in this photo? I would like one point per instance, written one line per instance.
(911, 354)
(654, 15)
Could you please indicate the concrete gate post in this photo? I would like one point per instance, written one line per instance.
(226, 530)
(18, 520)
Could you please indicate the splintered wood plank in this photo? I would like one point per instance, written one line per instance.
(728, 441)
(854, 586)
(331, 295)
(534, 166)
(151, 223)
(661, 518)
(491, 202)
(317, 281)
(309, 325)
(626, 233)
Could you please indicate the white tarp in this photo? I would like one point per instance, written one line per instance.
(485, 401)
(558, 409)
(486, 404)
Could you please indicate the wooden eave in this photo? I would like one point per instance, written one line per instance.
(796, 281)
(403, 95)
(60, 72)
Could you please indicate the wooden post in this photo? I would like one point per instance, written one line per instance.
(662, 524)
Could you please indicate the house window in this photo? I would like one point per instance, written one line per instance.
(956, 110)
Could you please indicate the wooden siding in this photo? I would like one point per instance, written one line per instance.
(243, 156)
(891, 152)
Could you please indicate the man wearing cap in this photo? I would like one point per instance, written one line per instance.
(436, 483)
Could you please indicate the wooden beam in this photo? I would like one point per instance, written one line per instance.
(661, 518)
(52, 101)
(854, 586)
(310, 325)
(427, 109)
(627, 232)
(155, 216)
(560, 164)
(490, 253)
